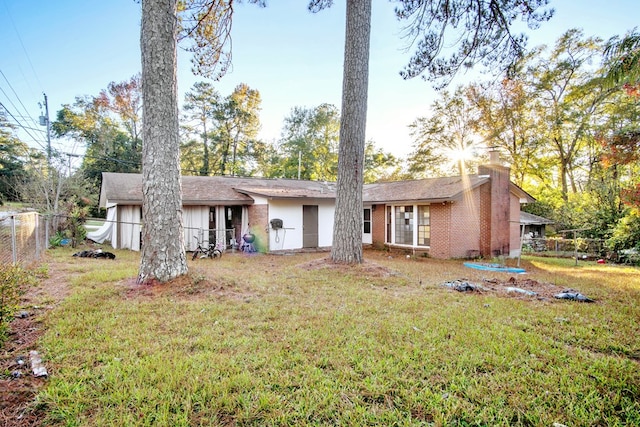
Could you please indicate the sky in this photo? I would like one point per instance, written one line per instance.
(70, 48)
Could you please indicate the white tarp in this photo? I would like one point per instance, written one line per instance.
(195, 220)
(105, 231)
(127, 232)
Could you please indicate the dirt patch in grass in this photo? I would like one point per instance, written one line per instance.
(513, 287)
(18, 385)
(367, 268)
(194, 285)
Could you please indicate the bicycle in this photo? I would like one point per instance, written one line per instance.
(207, 251)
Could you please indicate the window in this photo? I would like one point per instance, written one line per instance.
(367, 221)
(389, 223)
(424, 226)
(409, 225)
(404, 225)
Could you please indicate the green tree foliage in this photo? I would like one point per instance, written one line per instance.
(109, 125)
(200, 105)
(125, 100)
(13, 162)
(626, 234)
(505, 120)
(622, 57)
(236, 127)
(619, 158)
(567, 102)
(380, 165)
(622, 143)
(546, 117)
(309, 145)
(570, 138)
(445, 142)
(221, 133)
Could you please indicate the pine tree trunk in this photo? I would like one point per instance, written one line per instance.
(347, 230)
(205, 156)
(163, 256)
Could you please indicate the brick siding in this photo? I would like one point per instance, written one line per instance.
(378, 225)
(483, 222)
(465, 226)
(258, 217)
(440, 221)
(495, 212)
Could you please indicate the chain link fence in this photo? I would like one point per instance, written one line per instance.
(568, 248)
(225, 236)
(23, 237)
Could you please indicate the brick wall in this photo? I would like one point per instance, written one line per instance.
(485, 220)
(480, 223)
(495, 211)
(378, 225)
(440, 221)
(465, 225)
(258, 217)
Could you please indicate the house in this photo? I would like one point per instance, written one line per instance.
(450, 217)
(224, 208)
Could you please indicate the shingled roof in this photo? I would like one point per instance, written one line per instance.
(527, 218)
(430, 189)
(126, 189)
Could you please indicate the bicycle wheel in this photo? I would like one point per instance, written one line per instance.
(195, 254)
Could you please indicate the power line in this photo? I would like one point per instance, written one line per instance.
(22, 117)
(13, 24)
(17, 97)
(34, 129)
(112, 159)
(24, 128)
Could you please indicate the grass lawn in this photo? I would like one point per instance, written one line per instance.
(291, 340)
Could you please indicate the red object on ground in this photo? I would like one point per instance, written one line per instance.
(600, 261)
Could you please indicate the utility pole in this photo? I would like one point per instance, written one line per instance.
(44, 121)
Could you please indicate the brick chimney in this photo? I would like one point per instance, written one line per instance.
(495, 208)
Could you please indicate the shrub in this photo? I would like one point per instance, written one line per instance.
(626, 234)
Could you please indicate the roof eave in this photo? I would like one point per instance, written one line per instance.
(269, 196)
(521, 194)
(409, 202)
